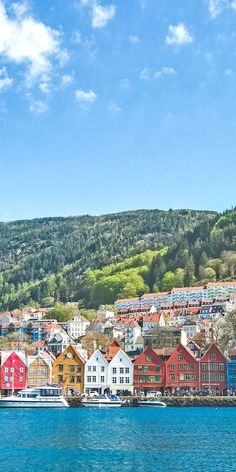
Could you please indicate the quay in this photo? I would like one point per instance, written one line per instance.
(215, 402)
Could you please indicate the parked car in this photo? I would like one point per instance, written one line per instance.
(154, 393)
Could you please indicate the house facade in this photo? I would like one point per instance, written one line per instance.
(213, 371)
(13, 371)
(149, 372)
(76, 327)
(96, 373)
(182, 370)
(68, 371)
(120, 369)
(39, 370)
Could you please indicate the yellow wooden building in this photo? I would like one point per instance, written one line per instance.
(68, 371)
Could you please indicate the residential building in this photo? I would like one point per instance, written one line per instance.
(231, 371)
(182, 370)
(68, 371)
(58, 340)
(164, 337)
(120, 369)
(96, 373)
(39, 369)
(76, 327)
(13, 371)
(131, 331)
(191, 328)
(213, 371)
(153, 321)
(149, 372)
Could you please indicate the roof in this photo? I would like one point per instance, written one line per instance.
(217, 284)
(153, 317)
(184, 289)
(126, 300)
(112, 350)
(158, 294)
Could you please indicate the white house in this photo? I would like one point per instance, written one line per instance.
(120, 369)
(76, 327)
(191, 328)
(131, 331)
(96, 373)
(153, 321)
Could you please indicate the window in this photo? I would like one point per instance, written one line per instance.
(172, 376)
(120, 359)
(181, 376)
(121, 380)
(158, 368)
(6, 378)
(180, 357)
(121, 370)
(6, 370)
(221, 377)
(153, 378)
(114, 380)
(78, 379)
(60, 368)
(140, 368)
(89, 368)
(213, 357)
(172, 367)
(145, 368)
(215, 366)
(205, 377)
(72, 378)
(12, 370)
(148, 358)
(11, 379)
(114, 370)
(181, 366)
(72, 368)
(94, 378)
(94, 368)
(31, 371)
(21, 379)
(127, 370)
(60, 378)
(140, 379)
(127, 380)
(102, 379)
(21, 370)
(102, 368)
(221, 366)
(78, 368)
(89, 378)
(204, 366)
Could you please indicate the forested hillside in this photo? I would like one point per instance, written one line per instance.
(95, 260)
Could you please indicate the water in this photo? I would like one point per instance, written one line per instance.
(126, 439)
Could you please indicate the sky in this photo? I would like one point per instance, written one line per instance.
(113, 105)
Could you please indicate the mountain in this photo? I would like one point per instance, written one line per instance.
(57, 257)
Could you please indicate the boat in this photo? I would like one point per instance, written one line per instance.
(102, 401)
(38, 397)
(152, 402)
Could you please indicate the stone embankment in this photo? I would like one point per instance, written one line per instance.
(215, 402)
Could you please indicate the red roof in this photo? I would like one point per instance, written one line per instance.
(112, 350)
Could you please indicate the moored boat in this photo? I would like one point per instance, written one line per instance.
(152, 402)
(102, 401)
(38, 397)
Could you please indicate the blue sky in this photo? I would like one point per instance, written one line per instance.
(110, 105)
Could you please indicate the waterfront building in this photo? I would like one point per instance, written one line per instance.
(149, 372)
(182, 370)
(96, 373)
(39, 369)
(231, 371)
(68, 371)
(213, 371)
(120, 369)
(13, 371)
(76, 327)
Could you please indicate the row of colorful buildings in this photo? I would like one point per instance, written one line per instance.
(183, 368)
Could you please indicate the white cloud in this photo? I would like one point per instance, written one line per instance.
(114, 108)
(148, 74)
(85, 97)
(101, 15)
(67, 80)
(26, 41)
(38, 107)
(216, 7)
(5, 81)
(134, 39)
(76, 37)
(178, 35)
(145, 74)
(229, 72)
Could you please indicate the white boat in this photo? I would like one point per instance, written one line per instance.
(102, 401)
(38, 397)
(152, 402)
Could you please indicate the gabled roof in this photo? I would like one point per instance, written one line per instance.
(186, 349)
(112, 350)
(213, 345)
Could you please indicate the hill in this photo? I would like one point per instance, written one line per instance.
(50, 257)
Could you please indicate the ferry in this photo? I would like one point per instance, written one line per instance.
(102, 401)
(38, 397)
(152, 402)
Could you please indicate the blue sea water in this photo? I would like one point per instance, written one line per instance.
(126, 440)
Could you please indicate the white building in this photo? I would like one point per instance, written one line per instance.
(120, 369)
(131, 331)
(191, 328)
(96, 373)
(76, 327)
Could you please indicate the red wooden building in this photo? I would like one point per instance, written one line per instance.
(13, 371)
(182, 370)
(149, 372)
(213, 371)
